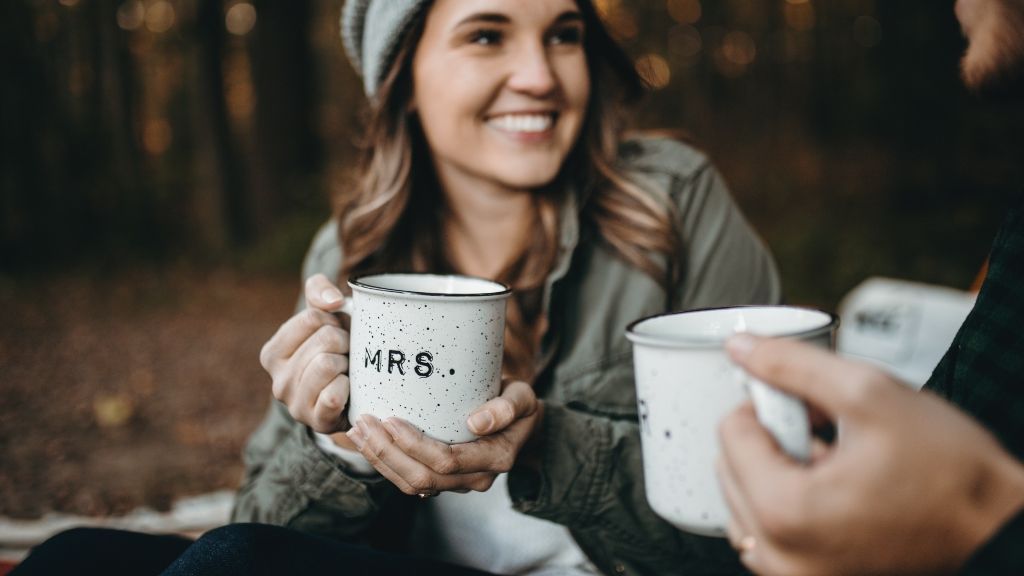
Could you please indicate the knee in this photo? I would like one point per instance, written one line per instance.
(71, 548)
(72, 542)
(231, 549)
(248, 537)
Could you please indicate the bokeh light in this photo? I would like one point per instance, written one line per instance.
(684, 11)
(131, 15)
(240, 18)
(685, 44)
(739, 48)
(619, 18)
(735, 54)
(160, 16)
(799, 15)
(655, 70)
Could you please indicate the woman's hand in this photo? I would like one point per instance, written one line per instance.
(423, 466)
(912, 485)
(307, 358)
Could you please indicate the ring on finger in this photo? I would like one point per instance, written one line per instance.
(427, 494)
(747, 544)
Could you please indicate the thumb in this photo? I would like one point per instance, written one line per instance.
(818, 376)
(322, 294)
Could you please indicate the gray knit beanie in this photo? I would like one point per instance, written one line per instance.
(371, 31)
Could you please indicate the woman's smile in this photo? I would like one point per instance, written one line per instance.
(525, 127)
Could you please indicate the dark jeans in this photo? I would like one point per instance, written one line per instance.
(236, 549)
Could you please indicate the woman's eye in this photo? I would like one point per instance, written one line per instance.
(485, 37)
(567, 36)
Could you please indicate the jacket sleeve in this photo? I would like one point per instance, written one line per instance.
(726, 262)
(591, 473)
(591, 480)
(289, 481)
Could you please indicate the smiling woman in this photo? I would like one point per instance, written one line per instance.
(495, 147)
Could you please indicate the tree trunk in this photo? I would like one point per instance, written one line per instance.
(286, 148)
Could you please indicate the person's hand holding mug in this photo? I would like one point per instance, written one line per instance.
(420, 465)
(911, 485)
(307, 358)
(410, 334)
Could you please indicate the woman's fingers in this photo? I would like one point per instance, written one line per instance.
(301, 397)
(321, 357)
(357, 435)
(322, 298)
(517, 401)
(409, 474)
(437, 456)
(292, 335)
(330, 403)
(457, 459)
(321, 293)
(418, 464)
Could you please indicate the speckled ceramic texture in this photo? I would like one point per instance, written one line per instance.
(428, 359)
(684, 388)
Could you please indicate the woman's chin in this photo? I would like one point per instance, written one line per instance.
(526, 175)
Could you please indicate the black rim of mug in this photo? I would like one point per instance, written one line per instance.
(359, 281)
(651, 339)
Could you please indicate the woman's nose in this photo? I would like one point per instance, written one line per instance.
(532, 72)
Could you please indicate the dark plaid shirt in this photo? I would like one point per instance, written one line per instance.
(983, 373)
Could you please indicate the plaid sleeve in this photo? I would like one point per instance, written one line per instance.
(983, 371)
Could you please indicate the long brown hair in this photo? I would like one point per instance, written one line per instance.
(390, 217)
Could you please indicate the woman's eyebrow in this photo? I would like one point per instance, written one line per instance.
(569, 16)
(498, 18)
(488, 17)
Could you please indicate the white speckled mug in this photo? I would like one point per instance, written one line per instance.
(686, 383)
(425, 348)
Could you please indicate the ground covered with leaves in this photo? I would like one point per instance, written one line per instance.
(132, 389)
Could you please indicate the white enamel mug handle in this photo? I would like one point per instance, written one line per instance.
(785, 416)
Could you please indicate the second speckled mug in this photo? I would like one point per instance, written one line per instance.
(425, 348)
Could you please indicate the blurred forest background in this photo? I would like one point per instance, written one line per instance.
(164, 164)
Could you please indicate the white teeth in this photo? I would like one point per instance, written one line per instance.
(523, 122)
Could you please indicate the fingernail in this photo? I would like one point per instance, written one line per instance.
(356, 436)
(480, 422)
(391, 428)
(740, 346)
(331, 295)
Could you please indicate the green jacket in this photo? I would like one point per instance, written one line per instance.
(591, 477)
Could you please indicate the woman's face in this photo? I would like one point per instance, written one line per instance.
(501, 88)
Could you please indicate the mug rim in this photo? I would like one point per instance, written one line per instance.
(356, 282)
(682, 342)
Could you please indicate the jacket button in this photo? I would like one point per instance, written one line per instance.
(619, 568)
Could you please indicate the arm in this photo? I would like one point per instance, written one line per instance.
(290, 480)
(590, 478)
(727, 263)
